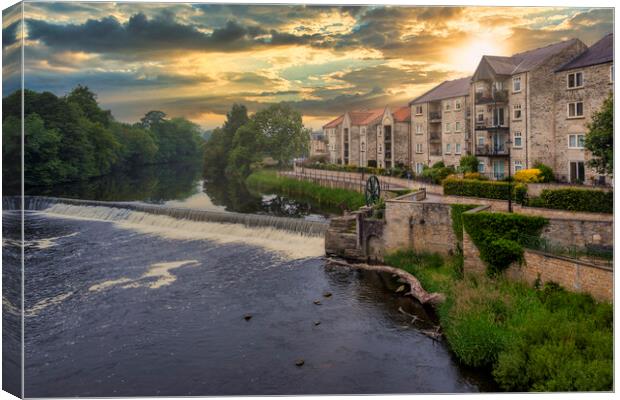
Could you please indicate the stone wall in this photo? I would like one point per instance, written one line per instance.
(401, 143)
(454, 137)
(422, 226)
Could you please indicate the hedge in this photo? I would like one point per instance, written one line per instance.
(498, 236)
(485, 189)
(572, 199)
(457, 218)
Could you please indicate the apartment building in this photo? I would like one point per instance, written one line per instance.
(581, 87)
(318, 144)
(513, 107)
(440, 124)
(375, 137)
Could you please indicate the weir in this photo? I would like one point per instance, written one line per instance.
(296, 225)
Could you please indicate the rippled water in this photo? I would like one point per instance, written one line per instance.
(116, 310)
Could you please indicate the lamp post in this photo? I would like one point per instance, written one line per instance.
(508, 146)
(362, 151)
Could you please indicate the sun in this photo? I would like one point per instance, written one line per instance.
(467, 56)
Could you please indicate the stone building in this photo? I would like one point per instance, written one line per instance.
(318, 144)
(513, 107)
(440, 129)
(375, 137)
(581, 87)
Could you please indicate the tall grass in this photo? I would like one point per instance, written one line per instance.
(270, 181)
(532, 339)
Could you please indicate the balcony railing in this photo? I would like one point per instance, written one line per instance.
(435, 137)
(489, 125)
(499, 96)
(488, 150)
(435, 116)
(435, 152)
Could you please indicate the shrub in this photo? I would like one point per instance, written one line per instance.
(532, 175)
(437, 173)
(573, 199)
(457, 211)
(546, 173)
(438, 164)
(475, 175)
(469, 164)
(498, 236)
(485, 189)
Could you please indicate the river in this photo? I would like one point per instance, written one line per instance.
(120, 303)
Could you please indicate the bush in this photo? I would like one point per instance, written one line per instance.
(469, 164)
(437, 173)
(533, 175)
(546, 173)
(438, 164)
(457, 211)
(485, 189)
(498, 236)
(573, 199)
(475, 175)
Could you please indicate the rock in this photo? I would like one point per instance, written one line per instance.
(317, 302)
(247, 317)
(316, 323)
(327, 294)
(400, 288)
(299, 362)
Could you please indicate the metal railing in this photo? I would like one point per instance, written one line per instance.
(488, 150)
(593, 253)
(341, 179)
(435, 115)
(498, 96)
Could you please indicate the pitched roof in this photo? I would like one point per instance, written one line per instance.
(334, 123)
(365, 117)
(403, 114)
(445, 90)
(527, 60)
(599, 53)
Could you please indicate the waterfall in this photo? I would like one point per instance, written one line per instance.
(296, 225)
(289, 237)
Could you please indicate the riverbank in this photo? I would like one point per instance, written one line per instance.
(270, 180)
(531, 339)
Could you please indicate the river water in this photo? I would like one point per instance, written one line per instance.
(118, 303)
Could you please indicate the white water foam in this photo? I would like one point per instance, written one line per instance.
(43, 304)
(161, 271)
(285, 243)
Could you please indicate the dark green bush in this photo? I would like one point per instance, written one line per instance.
(498, 236)
(438, 172)
(457, 218)
(485, 189)
(546, 173)
(468, 164)
(439, 164)
(573, 199)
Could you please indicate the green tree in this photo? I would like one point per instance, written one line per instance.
(600, 138)
(283, 134)
(244, 151)
(137, 144)
(219, 145)
(87, 102)
(469, 164)
(152, 118)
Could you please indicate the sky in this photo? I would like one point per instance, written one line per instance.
(196, 60)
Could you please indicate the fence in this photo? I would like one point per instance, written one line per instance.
(335, 179)
(594, 253)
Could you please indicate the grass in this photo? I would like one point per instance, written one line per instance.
(531, 339)
(270, 181)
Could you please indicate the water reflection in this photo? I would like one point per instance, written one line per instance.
(183, 186)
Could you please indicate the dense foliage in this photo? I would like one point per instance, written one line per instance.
(600, 138)
(485, 189)
(546, 173)
(468, 163)
(498, 236)
(266, 180)
(238, 147)
(532, 339)
(437, 173)
(71, 138)
(457, 211)
(573, 199)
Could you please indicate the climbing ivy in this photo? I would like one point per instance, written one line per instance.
(457, 219)
(498, 236)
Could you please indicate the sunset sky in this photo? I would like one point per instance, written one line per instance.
(197, 60)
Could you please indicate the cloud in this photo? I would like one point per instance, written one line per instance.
(9, 34)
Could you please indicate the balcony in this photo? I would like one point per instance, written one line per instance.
(492, 151)
(435, 137)
(498, 96)
(435, 152)
(489, 125)
(435, 117)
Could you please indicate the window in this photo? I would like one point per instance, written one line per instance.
(516, 84)
(418, 129)
(481, 167)
(457, 104)
(575, 110)
(480, 140)
(516, 111)
(518, 165)
(418, 110)
(480, 117)
(499, 85)
(457, 127)
(576, 141)
(419, 167)
(418, 148)
(498, 117)
(447, 127)
(518, 139)
(577, 171)
(575, 80)
(448, 106)
(448, 148)
(457, 148)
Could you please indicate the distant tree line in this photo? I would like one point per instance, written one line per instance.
(72, 138)
(238, 147)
